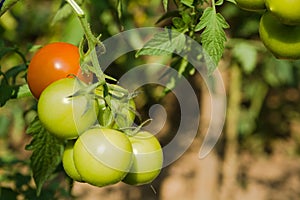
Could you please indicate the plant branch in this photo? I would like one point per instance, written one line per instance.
(92, 41)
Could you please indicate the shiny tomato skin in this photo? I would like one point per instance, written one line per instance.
(52, 62)
(286, 11)
(63, 115)
(283, 41)
(68, 162)
(147, 159)
(251, 5)
(102, 156)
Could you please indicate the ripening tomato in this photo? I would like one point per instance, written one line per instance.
(102, 156)
(147, 159)
(53, 62)
(64, 115)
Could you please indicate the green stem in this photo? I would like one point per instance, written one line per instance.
(7, 5)
(213, 4)
(92, 41)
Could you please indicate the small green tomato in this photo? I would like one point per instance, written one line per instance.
(148, 159)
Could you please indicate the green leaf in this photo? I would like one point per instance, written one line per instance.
(220, 2)
(64, 11)
(213, 37)
(178, 23)
(188, 3)
(24, 91)
(46, 155)
(164, 43)
(232, 1)
(246, 55)
(186, 17)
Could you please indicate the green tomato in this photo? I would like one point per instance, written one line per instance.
(148, 159)
(116, 111)
(251, 5)
(68, 162)
(287, 11)
(102, 156)
(282, 40)
(62, 115)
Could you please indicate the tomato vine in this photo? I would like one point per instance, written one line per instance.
(200, 20)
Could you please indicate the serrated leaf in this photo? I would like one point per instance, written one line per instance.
(164, 43)
(46, 155)
(213, 37)
(246, 55)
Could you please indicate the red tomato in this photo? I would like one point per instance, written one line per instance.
(53, 62)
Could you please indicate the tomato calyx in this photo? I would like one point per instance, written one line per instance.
(117, 107)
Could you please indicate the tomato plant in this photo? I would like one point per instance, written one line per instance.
(69, 111)
(62, 112)
(251, 5)
(147, 160)
(287, 11)
(282, 40)
(102, 156)
(53, 62)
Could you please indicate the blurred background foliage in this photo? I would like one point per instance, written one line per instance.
(270, 108)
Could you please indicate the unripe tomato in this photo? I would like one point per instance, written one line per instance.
(147, 160)
(53, 62)
(251, 5)
(68, 162)
(282, 40)
(102, 156)
(64, 115)
(287, 11)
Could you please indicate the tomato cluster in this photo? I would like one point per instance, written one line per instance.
(104, 156)
(91, 119)
(279, 27)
